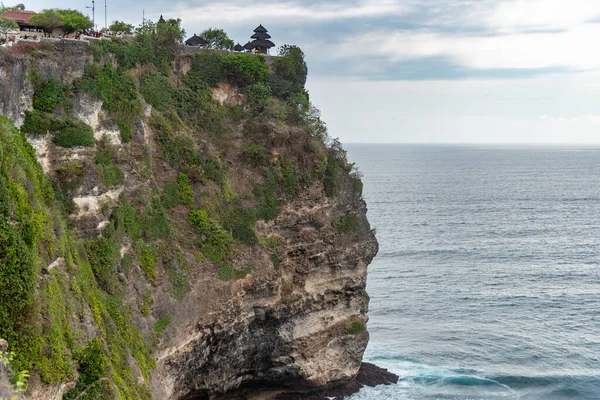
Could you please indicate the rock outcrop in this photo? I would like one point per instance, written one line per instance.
(291, 329)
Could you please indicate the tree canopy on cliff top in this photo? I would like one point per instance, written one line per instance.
(120, 27)
(217, 39)
(70, 20)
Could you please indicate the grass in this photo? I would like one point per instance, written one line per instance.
(228, 272)
(346, 223)
(357, 327)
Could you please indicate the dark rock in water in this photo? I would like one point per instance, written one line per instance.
(368, 375)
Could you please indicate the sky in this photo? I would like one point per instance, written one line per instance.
(414, 71)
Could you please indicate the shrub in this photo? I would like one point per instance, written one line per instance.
(255, 154)
(267, 193)
(145, 255)
(346, 223)
(35, 77)
(357, 327)
(125, 217)
(275, 258)
(110, 174)
(240, 222)
(290, 180)
(216, 241)
(92, 362)
(36, 122)
(17, 278)
(206, 69)
(118, 93)
(258, 96)
(177, 273)
(103, 256)
(228, 272)
(332, 176)
(170, 197)
(156, 223)
(214, 170)
(161, 325)
(93, 365)
(51, 95)
(156, 90)
(177, 149)
(74, 133)
(290, 72)
(185, 192)
(246, 69)
(70, 176)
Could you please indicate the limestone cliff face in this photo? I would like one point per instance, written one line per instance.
(293, 319)
(288, 327)
(16, 92)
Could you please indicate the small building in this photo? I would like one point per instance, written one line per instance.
(261, 43)
(21, 17)
(197, 41)
(238, 47)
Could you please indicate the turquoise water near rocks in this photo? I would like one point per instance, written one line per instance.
(487, 282)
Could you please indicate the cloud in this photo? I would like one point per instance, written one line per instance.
(519, 15)
(569, 49)
(303, 12)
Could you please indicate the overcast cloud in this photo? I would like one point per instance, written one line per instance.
(423, 71)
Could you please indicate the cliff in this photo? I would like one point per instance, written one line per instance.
(191, 229)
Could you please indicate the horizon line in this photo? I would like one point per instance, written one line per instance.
(481, 143)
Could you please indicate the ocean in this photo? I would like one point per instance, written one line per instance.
(487, 282)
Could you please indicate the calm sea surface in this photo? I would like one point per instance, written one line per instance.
(487, 283)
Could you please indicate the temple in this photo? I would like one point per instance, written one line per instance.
(196, 40)
(261, 42)
(21, 17)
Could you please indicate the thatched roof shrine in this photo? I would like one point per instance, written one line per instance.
(261, 35)
(196, 41)
(261, 29)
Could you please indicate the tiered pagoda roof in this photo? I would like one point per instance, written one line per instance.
(261, 41)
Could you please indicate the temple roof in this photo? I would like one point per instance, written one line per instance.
(196, 41)
(263, 44)
(238, 47)
(248, 46)
(261, 29)
(19, 16)
(161, 20)
(261, 35)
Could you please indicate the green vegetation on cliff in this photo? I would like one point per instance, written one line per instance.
(67, 303)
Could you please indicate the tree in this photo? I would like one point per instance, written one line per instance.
(74, 20)
(291, 65)
(18, 7)
(7, 25)
(120, 28)
(217, 39)
(48, 20)
(171, 30)
(290, 73)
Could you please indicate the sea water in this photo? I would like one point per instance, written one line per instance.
(487, 282)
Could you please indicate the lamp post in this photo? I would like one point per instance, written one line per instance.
(105, 20)
(93, 7)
